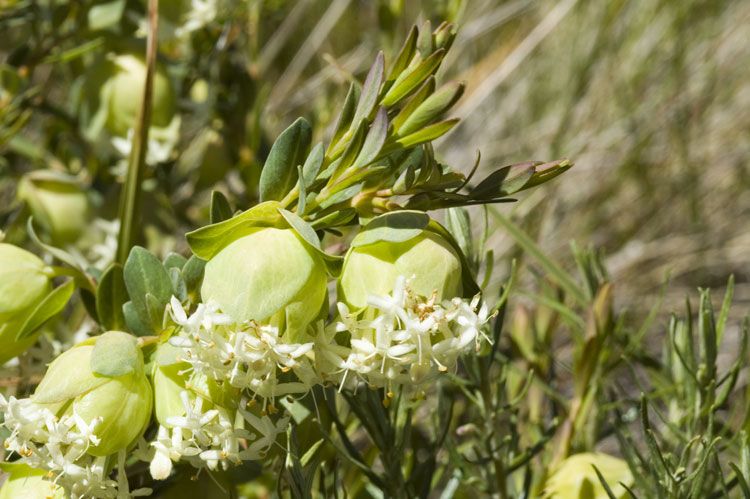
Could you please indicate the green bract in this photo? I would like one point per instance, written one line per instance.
(170, 380)
(269, 275)
(127, 93)
(57, 202)
(122, 402)
(24, 482)
(23, 281)
(401, 244)
(576, 478)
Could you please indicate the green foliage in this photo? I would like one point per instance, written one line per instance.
(197, 147)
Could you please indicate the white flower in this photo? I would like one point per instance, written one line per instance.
(410, 339)
(59, 445)
(246, 355)
(211, 439)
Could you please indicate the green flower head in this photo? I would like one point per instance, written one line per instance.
(23, 281)
(127, 79)
(57, 202)
(575, 477)
(23, 481)
(117, 406)
(269, 275)
(401, 244)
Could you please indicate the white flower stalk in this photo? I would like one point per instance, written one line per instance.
(246, 355)
(410, 339)
(59, 446)
(211, 438)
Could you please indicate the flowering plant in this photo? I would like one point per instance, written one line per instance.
(209, 362)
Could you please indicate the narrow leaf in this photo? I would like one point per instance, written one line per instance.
(410, 79)
(374, 141)
(280, 170)
(50, 306)
(432, 108)
(220, 208)
(111, 295)
(370, 90)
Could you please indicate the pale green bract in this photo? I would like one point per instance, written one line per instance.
(23, 281)
(429, 261)
(575, 477)
(268, 276)
(57, 202)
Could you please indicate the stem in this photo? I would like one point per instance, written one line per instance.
(129, 201)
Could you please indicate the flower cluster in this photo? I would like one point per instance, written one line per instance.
(246, 355)
(209, 438)
(59, 445)
(410, 339)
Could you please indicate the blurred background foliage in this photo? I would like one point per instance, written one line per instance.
(650, 98)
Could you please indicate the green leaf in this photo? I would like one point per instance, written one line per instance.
(345, 118)
(427, 134)
(307, 233)
(116, 354)
(427, 88)
(50, 306)
(335, 219)
(111, 295)
(505, 181)
(179, 288)
(434, 106)
(412, 78)
(459, 225)
(395, 227)
(374, 141)
(313, 163)
(279, 173)
(145, 276)
(174, 261)
(220, 208)
(341, 196)
(370, 90)
(134, 321)
(301, 192)
(351, 151)
(106, 14)
(209, 240)
(405, 55)
(192, 272)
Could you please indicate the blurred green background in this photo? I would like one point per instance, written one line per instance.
(650, 98)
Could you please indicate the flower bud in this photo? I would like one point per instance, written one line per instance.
(117, 408)
(428, 260)
(575, 477)
(126, 87)
(57, 202)
(269, 276)
(23, 481)
(23, 281)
